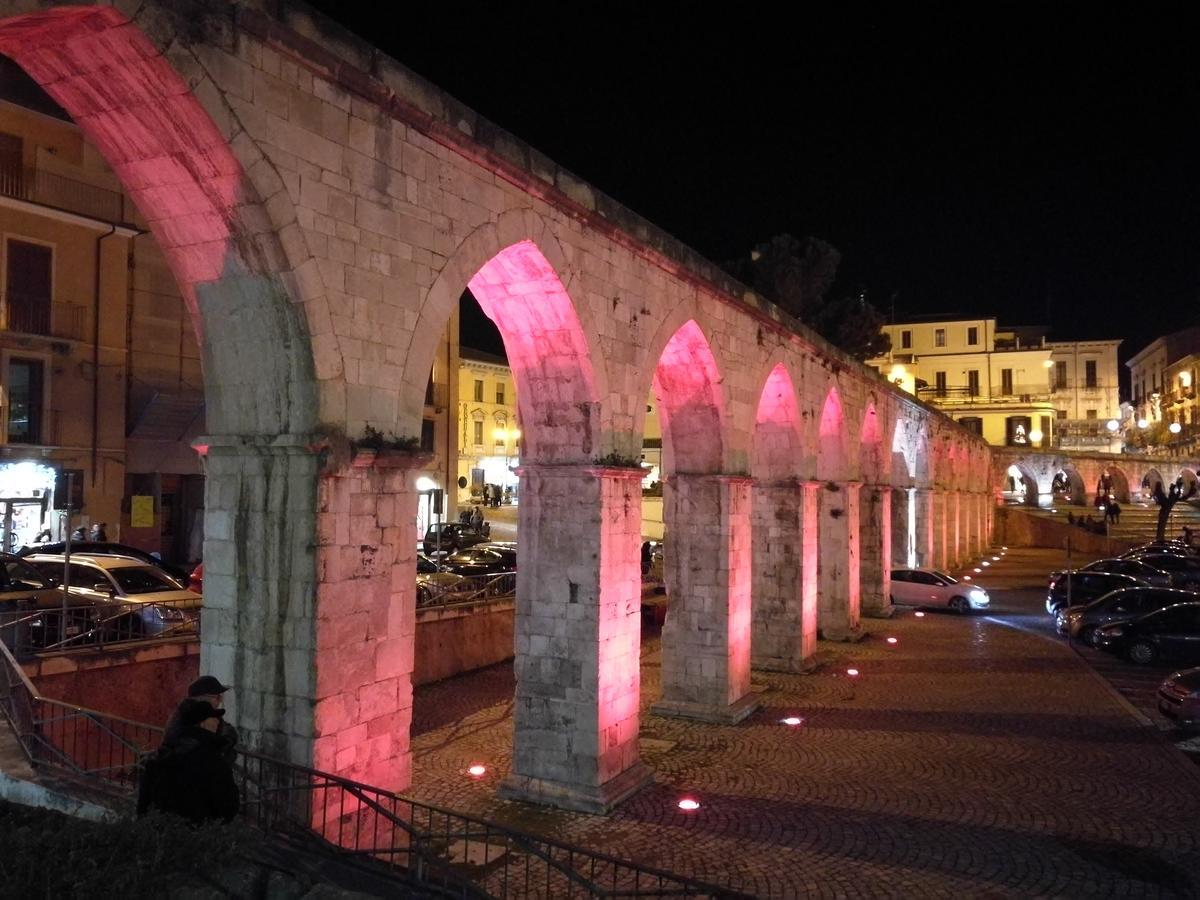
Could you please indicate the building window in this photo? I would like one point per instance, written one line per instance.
(500, 393)
(1006, 385)
(27, 286)
(427, 435)
(972, 336)
(906, 339)
(939, 380)
(478, 390)
(973, 382)
(25, 384)
(478, 435)
(939, 337)
(1060, 375)
(1089, 413)
(1061, 413)
(973, 424)
(1089, 373)
(1017, 430)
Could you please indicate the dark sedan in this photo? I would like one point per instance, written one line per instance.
(483, 559)
(1136, 568)
(1124, 605)
(1184, 570)
(1171, 633)
(1179, 698)
(447, 537)
(1085, 587)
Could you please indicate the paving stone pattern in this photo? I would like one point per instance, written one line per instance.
(970, 759)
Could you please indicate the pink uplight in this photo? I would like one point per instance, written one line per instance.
(893, 641)
(477, 771)
(687, 804)
(919, 615)
(792, 720)
(853, 673)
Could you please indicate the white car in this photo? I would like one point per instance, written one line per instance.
(929, 587)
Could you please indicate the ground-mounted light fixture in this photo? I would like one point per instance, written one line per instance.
(791, 721)
(688, 804)
(477, 771)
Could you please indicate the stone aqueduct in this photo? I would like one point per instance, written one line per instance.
(323, 210)
(1131, 478)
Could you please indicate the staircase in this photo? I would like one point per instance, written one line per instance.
(1139, 520)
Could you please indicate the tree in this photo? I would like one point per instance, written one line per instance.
(1166, 502)
(797, 274)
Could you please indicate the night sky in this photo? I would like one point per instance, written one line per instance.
(1042, 170)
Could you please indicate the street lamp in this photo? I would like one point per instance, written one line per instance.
(1143, 423)
(1112, 425)
(1174, 428)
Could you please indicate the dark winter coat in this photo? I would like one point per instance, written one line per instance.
(226, 732)
(189, 776)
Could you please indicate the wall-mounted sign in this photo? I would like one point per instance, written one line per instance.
(141, 511)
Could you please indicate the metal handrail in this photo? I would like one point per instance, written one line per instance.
(472, 589)
(468, 856)
(94, 625)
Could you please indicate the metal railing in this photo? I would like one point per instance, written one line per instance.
(466, 589)
(28, 631)
(460, 855)
(958, 394)
(60, 192)
(33, 314)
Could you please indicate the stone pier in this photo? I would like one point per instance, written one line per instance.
(840, 586)
(901, 539)
(923, 511)
(784, 631)
(707, 633)
(875, 549)
(578, 635)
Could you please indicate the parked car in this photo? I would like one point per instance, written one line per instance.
(1124, 605)
(449, 537)
(111, 580)
(1179, 698)
(434, 584)
(1179, 548)
(31, 608)
(484, 559)
(1171, 633)
(1138, 568)
(1085, 587)
(104, 548)
(1184, 570)
(929, 587)
(195, 582)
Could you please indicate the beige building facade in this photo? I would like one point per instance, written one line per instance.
(489, 430)
(1009, 385)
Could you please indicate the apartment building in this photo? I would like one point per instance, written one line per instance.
(1163, 380)
(1008, 384)
(489, 431)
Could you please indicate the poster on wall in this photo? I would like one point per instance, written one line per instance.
(141, 511)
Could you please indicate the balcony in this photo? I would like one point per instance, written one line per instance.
(38, 315)
(955, 396)
(59, 192)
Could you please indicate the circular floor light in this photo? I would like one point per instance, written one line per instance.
(985, 563)
(892, 641)
(995, 559)
(966, 578)
(919, 615)
(853, 673)
(687, 804)
(978, 570)
(1003, 548)
(792, 721)
(477, 771)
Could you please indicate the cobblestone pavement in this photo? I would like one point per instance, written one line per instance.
(971, 758)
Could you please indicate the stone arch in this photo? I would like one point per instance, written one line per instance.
(691, 403)
(1188, 476)
(512, 268)
(1152, 477)
(1076, 489)
(776, 452)
(832, 441)
(203, 192)
(1026, 476)
(873, 459)
(1120, 483)
(904, 457)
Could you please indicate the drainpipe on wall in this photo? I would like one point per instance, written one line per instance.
(96, 360)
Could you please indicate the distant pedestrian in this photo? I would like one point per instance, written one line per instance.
(1187, 535)
(1115, 509)
(99, 532)
(646, 557)
(79, 534)
(477, 518)
(210, 690)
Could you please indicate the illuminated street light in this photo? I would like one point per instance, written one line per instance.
(1049, 363)
(1035, 435)
(1142, 423)
(1112, 425)
(1174, 428)
(425, 483)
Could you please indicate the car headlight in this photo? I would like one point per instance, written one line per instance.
(1074, 614)
(978, 595)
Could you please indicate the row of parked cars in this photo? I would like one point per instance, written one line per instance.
(115, 592)
(1143, 605)
(483, 569)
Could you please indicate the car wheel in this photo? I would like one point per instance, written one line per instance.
(1142, 652)
(1087, 635)
(960, 605)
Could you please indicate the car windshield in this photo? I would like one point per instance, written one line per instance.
(142, 580)
(945, 579)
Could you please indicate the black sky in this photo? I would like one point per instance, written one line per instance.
(983, 160)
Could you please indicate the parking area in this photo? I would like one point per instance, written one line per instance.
(973, 757)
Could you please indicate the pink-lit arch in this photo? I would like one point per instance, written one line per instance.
(777, 443)
(202, 207)
(873, 459)
(690, 405)
(832, 455)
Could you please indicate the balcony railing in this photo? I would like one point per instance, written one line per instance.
(965, 395)
(59, 192)
(30, 314)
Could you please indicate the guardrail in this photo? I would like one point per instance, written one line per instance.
(27, 631)
(465, 589)
(457, 854)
